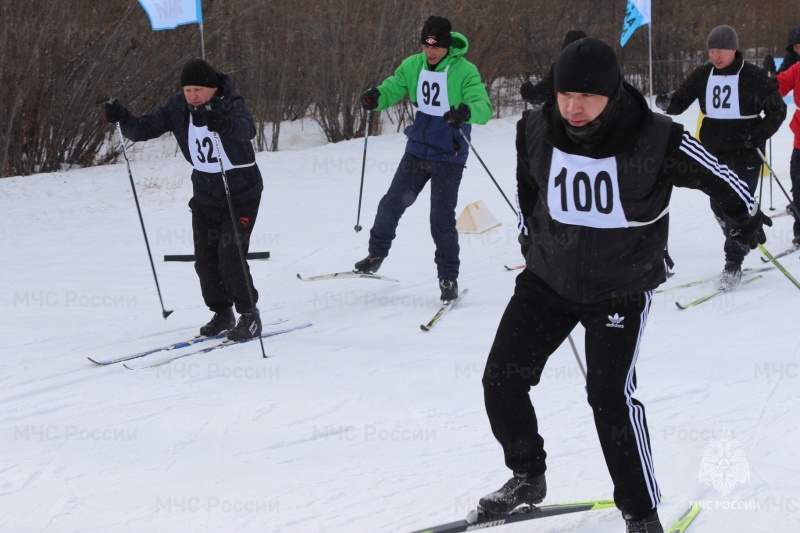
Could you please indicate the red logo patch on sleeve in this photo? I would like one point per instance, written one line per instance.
(244, 222)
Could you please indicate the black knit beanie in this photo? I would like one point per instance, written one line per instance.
(794, 38)
(198, 72)
(572, 36)
(587, 66)
(436, 32)
(722, 38)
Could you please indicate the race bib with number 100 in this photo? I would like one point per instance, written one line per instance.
(584, 192)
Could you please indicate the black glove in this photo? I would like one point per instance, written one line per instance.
(752, 140)
(663, 100)
(750, 232)
(526, 91)
(457, 117)
(369, 100)
(524, 244)
(215, 122)
(115, 112)
(769, 64)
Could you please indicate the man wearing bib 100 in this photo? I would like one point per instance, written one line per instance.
(732, 94)
(206, 108)
(595, 172)
(449, 95)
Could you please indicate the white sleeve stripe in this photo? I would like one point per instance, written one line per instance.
(520, 216)
(696, 151)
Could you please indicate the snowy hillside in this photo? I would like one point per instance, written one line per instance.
(361, 422)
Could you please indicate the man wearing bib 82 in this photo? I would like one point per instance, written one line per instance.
(449, 95)
(206, 108)
(732, 94)
(595, 172)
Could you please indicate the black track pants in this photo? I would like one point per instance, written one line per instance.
(223, 281)
(535, 323)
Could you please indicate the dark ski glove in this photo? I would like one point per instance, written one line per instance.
(457, 117)
(752, 140)
(215, 121)
(750, 232)
(526, 91)
(524, 244)
(663, 100)
(369, 100)
(115, 112)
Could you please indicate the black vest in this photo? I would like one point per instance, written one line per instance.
(600, 226)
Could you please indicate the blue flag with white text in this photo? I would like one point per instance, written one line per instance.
(637, 14)
(169, 14)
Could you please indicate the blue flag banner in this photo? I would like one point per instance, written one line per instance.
(637, 14)
(169, 14)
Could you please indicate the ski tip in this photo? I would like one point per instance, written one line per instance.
(423, 327)
(93, 361)
(128, 367)
(300, 277)
(679, 306)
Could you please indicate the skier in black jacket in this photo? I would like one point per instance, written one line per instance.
(742, 109)
(595, 172)
(792, 55)
(206, 108)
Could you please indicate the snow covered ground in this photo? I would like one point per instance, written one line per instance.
(361, 422)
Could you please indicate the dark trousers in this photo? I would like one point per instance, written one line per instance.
(411, 176)
(794, 172)
(748, 173)
(223, 281)
(535, 323)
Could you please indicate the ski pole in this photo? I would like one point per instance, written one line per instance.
(577, 357)
(363, 167)
(461, 130)
(236, 236)
(771, 207)
(164, 312)
(778, 265)
(791, 203)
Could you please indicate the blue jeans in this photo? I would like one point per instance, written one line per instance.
(411, 176)
(748, 173)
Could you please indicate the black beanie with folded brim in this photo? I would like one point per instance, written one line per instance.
(587, 66)
(199, 73)
(436, 32)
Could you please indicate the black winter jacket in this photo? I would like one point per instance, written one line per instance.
(245, 183)
(585, 263)
(726, 138)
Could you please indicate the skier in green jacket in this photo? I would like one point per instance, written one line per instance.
(450, 96)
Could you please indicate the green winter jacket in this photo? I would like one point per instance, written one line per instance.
(430, 137)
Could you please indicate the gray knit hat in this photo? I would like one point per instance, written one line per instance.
(722, 38)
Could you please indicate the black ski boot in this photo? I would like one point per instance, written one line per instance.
(248, 327)
(368, 265)
(731, 275)
(221, 321)
(648, 524)
(449, 288)
(518, 490)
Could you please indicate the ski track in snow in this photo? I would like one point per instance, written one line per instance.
(361, 422)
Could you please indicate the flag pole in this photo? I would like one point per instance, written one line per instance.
(203, 44)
